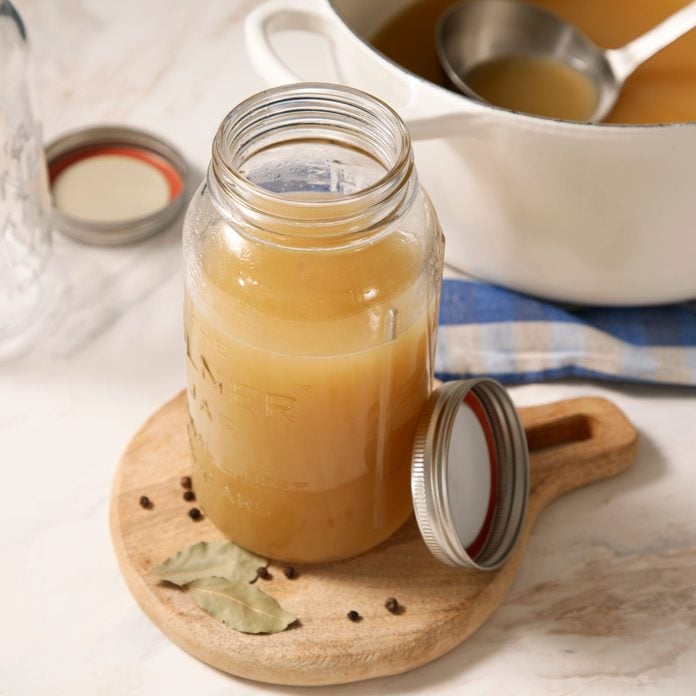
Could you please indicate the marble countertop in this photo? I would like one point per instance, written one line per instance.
(605, 601)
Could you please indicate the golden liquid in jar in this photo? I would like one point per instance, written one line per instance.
(303, 402)
(540, 86)
(663, 90)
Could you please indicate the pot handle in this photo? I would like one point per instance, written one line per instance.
(415, 94)
(283, 15)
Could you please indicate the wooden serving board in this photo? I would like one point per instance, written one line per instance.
(573, 443)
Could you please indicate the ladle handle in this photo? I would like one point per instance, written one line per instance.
(626, 59)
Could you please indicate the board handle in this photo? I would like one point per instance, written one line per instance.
(576, 442)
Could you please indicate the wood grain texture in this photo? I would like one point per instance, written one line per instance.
(573, 443)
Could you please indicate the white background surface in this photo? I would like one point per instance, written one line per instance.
(605, 602)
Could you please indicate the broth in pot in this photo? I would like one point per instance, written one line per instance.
(663, 90)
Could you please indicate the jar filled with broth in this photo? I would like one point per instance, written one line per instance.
(313, 262)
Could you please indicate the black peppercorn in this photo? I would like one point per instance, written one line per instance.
(263, 573)
(353, 615)
(195, 514)
(186, 482)
(289, 572)
(393, 606)
(188, 496)
(145, 502)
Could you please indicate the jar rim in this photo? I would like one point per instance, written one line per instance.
(327, 108)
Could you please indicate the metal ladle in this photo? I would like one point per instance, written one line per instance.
(474, 32)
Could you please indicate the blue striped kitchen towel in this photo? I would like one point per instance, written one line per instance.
(486, 330)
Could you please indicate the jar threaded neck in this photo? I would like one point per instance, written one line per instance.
(347, 165)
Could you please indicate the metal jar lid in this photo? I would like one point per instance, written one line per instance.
(470, 474)
(145, 150)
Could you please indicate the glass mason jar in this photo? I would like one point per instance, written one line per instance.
(313, 263)
(24, 198)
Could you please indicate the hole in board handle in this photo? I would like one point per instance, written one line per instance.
(557, 433)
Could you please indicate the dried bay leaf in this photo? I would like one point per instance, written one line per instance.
(240, 605)
(206, 559)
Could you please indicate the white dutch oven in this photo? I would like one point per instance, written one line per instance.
(590, 214)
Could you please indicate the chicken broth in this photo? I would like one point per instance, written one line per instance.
(304, 404)
(533, 85)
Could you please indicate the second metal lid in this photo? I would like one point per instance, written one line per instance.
(470, 474)
(115, 185)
